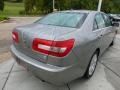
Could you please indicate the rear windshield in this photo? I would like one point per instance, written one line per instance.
(64, 19)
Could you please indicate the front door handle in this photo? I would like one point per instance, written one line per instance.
(100, 36)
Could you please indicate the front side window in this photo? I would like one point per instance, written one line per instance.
(107, 20)
(100, 21)
(63, 19)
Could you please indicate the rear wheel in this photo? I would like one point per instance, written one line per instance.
(112, 43)
(92, 65)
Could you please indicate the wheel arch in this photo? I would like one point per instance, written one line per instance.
(98, 50)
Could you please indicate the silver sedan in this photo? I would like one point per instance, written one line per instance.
(63, 46)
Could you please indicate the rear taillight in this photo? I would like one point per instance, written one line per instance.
(15, 37)
(54, 48)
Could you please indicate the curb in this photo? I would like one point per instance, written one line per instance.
(3, 21)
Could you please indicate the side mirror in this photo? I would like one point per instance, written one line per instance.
(115, 24)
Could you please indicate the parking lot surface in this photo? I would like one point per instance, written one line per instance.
(15, 77)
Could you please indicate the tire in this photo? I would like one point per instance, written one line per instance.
(112, 43)
(91, 67)
(116, 32)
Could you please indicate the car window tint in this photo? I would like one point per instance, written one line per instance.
(107, 20)
(100, 21)
(65, 19)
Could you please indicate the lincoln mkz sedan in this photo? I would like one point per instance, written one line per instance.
(64, 45)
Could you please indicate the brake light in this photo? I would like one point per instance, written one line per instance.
(15, 36)
(54, 48)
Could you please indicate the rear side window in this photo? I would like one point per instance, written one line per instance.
(100, 21)
(95, 26)
(107, 20)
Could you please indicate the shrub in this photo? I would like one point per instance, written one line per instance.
(3, 18)
(22, 12)
(1, 5)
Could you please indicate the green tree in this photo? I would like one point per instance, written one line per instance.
(45, 6)
(14, 0)
(29, 6)
(111, 6)
(38, 6)
(1, 5)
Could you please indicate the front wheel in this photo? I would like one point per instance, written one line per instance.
(92, 65)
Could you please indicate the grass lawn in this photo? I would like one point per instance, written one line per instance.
(12, 9)
(3, 18)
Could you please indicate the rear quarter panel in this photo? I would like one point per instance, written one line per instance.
(84, 47)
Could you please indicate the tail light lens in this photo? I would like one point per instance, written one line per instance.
(54, 48)
(15, 37)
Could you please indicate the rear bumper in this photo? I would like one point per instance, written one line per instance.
(49, 73)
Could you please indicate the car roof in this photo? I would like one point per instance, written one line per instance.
(80, 11)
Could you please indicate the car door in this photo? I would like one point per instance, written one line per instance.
(110, 31)
(99, 29)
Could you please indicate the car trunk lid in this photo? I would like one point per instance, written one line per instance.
(29, 32)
